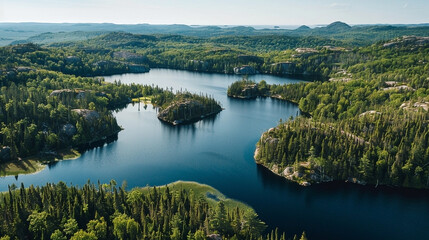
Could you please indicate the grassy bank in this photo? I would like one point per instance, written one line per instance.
(212, 195)
(35, 163)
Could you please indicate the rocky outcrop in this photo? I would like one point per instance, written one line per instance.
(250, 91)
(76, 93)
(407, 41)
(25, 69)
(306, 50)
(399, 88)
(334, 49)
(130, 57)
(247, 91)
(286, 68)
(245, 70)
(187, 111)
(371, 112)
(60, 92)
(415, 106)
(89, 115)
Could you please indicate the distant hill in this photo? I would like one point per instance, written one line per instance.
(49, 37)
(47, 33)
(338, 26)
(303, 28)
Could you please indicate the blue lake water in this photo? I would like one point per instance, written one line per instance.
(219, 152)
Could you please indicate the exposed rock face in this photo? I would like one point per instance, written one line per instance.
(250, 91)
(61, 92)
(79, 94)
(272, 141)
(89, 115)
(245, 70)
(415, 106)
(24, 69)
(129, 56)
(306, 50)
(402, 87)
(288, 171)
(408, 40)
(371, 112)
(334, 49)
(284, 67)
(391, 83)
(306, 184)
(5, 154)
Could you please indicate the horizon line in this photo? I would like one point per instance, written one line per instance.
(145, 23)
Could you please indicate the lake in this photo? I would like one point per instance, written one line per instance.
(218, 151)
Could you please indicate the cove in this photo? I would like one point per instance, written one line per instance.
(218, 151)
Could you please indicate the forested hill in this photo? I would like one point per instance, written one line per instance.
(359, 35)
(369, 122)
(182, 210)
(185, 107)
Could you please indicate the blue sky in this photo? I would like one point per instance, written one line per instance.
(216, 12)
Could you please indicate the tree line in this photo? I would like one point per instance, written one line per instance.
(105, 211)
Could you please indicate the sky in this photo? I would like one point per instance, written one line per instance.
(217, 12)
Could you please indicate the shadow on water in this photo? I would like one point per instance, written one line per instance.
(274, 182)
(88, 147)
(191, 127)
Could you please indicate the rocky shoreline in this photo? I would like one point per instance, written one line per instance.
(299, 178)
(188, 121)
(291, 177)
(187, 111)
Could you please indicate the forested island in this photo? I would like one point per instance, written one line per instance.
(247, 89)
(185, 107)
(181, 210)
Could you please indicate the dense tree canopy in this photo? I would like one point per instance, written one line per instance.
(371, 125)
(103, 211)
